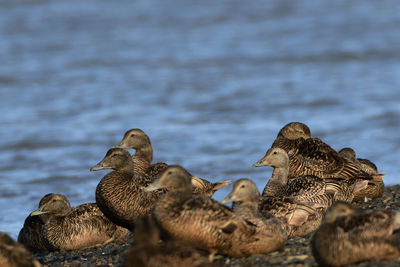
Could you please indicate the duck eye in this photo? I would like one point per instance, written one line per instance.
(243, 186)
(274, 153)
(132, 135)
(169, 172)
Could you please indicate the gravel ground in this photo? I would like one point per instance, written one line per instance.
(297, 251)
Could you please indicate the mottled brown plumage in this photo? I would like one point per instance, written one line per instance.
(13, 254)
(149, 250)
(300, 218)
(303, 188)
(271, 232)
(348, 235)
(30, 234)
(311, 156)
(139, 140)
(120, 195)
(374, 189)
(196, 219)
(60, 227)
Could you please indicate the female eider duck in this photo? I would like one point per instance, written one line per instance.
(311, 156)
(307, 187)
(120, 195)
(63, 227)
(271, 232)
(13, 254)
(140, 141)
(195, 219)
(300, 202)
(151, 250)
(373, 190)
(348, 235)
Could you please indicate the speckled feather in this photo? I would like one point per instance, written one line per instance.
(197, 221)
(314, 157)
(356, 236)
(57, 226)
(121, 198)
(13, 254)
(84, 226)
(301, 219)
(30, 234)
(374, 189)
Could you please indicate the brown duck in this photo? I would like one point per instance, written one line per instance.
(311, 156)
(140, 141)
(307, 187)
(348, 235)
(271, 233)
(120, 195)
(149, 250)
(195, 219)
(373, 190)
(13, 254)
(64, 227)
(301, 201)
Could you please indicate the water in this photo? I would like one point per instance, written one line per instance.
(210, 83)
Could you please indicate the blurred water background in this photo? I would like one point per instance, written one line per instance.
(211, 83)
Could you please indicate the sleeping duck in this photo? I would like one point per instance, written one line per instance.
(348, 235)
(58, 226)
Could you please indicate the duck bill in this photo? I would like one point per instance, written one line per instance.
(121, 145)
(227, 199)
(38, 212)
(259, 163)
(99, 166)
(152, 187)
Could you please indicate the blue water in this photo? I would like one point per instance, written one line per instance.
(210, 82)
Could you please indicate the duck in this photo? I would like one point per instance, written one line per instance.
(137, 139)
(348, 235)
(62, 227)
(151, 249)
(305, 187)
(311, 156)
(119, 194)
(271, 232)
(195, 219)
(374, 189)
(14, 254)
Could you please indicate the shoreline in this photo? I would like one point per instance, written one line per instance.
(296, 252)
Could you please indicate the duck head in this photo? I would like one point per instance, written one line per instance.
(116, 159)
(134, 138)
(295, 130)
(274, 157)
(244, 190)
(53, 204)
(174, 178)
